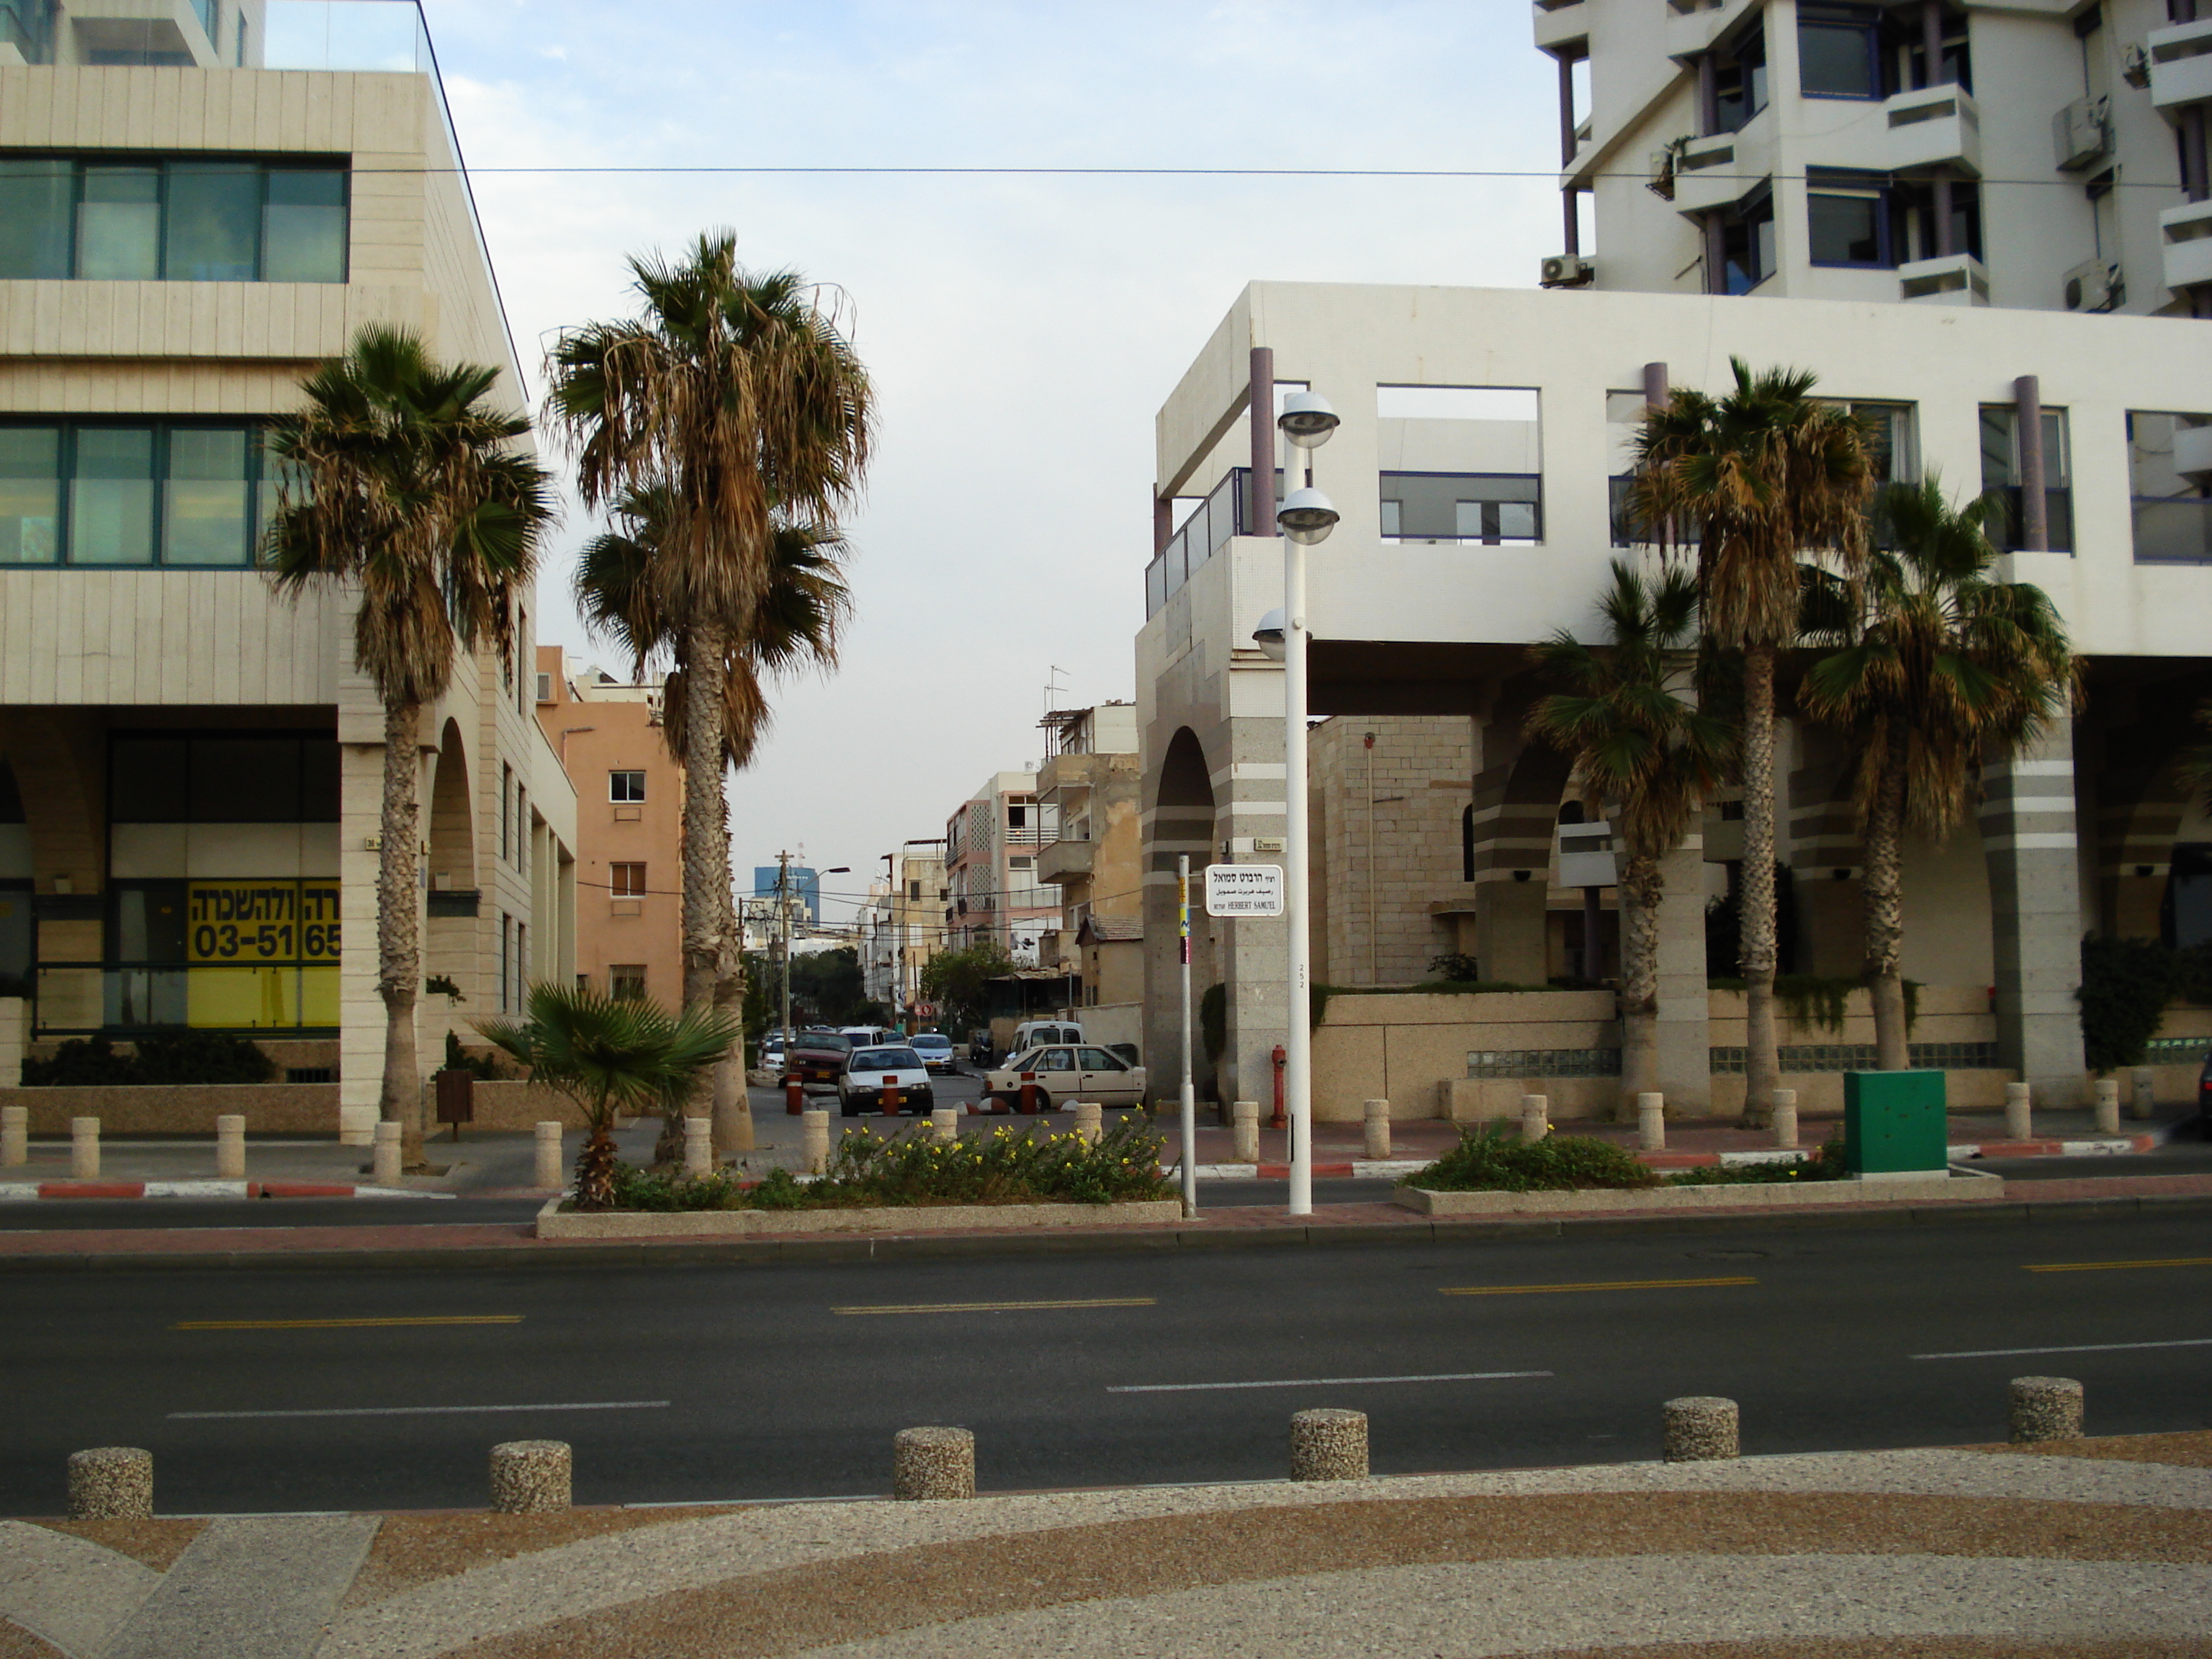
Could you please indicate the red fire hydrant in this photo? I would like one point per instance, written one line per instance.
(1280, 1121)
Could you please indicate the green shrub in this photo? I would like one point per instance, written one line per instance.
(1827, 1163)
(79, 1063)
(2126, 985)
(177, 1058)
(484, 1067)
(1493, 1158)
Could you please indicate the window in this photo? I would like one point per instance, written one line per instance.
(521, 829)
(2000, 470)
(1747, 243)
(28, 26)
(222, 778)
(1839, 51)
(626, 979)
(1016, 818)
(505, 813)
(625, 788)
(506, 958)
(186, 219)
(1740, 80)
(1957, 63)
(626, 880)
(2172, 515)
(156, 493)
(544, 688)
(1848, 223)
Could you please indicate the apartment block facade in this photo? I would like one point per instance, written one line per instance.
(1092, 782)
(991, 846)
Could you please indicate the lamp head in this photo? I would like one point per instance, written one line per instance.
(1307, 420)
(1306, 516)
(1269, 636)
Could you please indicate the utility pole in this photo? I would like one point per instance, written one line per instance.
(783, 907)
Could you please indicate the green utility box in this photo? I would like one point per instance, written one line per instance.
(1894, 1122)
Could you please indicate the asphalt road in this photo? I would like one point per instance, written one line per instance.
(756, 1383)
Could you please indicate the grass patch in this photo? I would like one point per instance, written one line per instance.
(1825, 1164)
(1494, 1158)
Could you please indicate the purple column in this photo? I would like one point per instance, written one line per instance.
(1709, 95)
(2034, 514)
(1263, 440)
(1162, 524)
(1656, 392)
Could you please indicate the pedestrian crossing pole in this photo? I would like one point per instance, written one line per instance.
(1189, 1101)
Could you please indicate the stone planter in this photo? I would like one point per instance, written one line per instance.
(1931, 1189)
(555, 1223)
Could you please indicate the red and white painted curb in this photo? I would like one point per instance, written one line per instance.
(16, 1192)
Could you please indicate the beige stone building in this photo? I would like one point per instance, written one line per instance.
(1090, 786)
(185, 228)
(607, 735)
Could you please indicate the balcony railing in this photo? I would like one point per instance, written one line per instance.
(2172, 530)
(1227, 512)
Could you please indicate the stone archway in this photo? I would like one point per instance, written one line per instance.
(1180, 818)
(452, 924)
(1508, 857)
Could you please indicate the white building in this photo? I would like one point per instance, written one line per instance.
(991, 846)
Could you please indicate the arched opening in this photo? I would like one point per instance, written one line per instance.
(1182, 826)
(452, 922)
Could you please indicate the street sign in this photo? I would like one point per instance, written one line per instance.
(1245, 889)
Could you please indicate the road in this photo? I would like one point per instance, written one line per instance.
(714, 1384)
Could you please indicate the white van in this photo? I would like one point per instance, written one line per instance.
(1032, 1033)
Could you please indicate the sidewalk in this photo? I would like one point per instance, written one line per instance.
(2097, 1549)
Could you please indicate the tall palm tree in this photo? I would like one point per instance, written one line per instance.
(734, 391)
(400, 481)
(1936, 665)
(1755, 482)
(1646, 757)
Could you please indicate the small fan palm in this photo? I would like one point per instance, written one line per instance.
(1936, 665)
(1646, 757)
(610, 1055)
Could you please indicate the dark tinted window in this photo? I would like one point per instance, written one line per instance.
(1838, 52)
(246, 779)
(11, 798)
(148, 785)
(1845, 230)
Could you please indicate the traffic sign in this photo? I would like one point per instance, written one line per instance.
(1245, 889)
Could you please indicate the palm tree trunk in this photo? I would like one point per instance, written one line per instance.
(398, 929)
(707, 908)
(1885, 913)
(1642, 890)
(732, 1106)
(1762, 1064)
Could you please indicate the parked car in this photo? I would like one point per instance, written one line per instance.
(771, 1052)
(936, 1051)
(1065, 1073)
(869, 1036)
(870, 1071)
(1034, 1033)
(818, 1056)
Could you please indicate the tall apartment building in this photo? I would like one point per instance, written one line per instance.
(1912, 235)
(199, 203)
(1090, 782)
(608, 737)
(991, 846)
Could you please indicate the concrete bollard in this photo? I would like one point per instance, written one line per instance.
(2108, 1105)
(384, 1165)
(814, 1138)
(1244, 1132)
(15, 1135)
(111, 1483)
(1377, 1113)
(698, 1147)
(1701, 1429)
(230, 1146)
(1089, 1122)
(532, 1477)
(1651, 1123)
(549, 1172)
(933, 1463)
(944, 1123)
(1785, 1117)
(84, 1148)
(2044, 1408)
(1535, 1116)
(2020, 1123)
(2142, 1105)
(1328, 1444)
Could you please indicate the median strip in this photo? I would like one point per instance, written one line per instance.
(428, 1411)
(2115, 1267)
(1001, 1307)
(344, 1324)
(2078, 1347)
(1602, 1284)
(1321, 1382)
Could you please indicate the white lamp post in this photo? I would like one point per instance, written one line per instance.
(1305, 519)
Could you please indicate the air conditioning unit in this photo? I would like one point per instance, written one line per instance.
(2082, 132)
(2095, 285)
(2135, 64)
(1567, 271)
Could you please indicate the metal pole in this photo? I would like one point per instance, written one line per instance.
(783, 904)
(1189, 1096)
(1297, 1077)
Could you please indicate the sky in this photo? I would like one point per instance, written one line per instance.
(1022, 331)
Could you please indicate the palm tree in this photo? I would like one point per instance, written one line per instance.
(1755, 481)
(1936, 665)
(611, 1054)
(734, 392)
(399, 481)
(1646, 757)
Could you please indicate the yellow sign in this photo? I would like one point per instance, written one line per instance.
(262, 921)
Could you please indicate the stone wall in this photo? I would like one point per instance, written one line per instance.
(1408, 1047)
(270, 1109)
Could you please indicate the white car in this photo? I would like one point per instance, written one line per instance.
(870, 1071)
(936, 1051)
(1063, 1073)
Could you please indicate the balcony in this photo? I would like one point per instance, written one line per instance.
(1935, 127)
(2185, 232)
(1956, 279)
(1225, 513)
(1560, 23)
(2180, 66)
(1066, 860)
(1691, 27)
(166, 33)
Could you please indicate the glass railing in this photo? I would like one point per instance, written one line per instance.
(344, 34)
(2173, 529)
(1227, 512)
(289, 34)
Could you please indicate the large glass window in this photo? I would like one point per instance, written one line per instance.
(1839, 51)
(2172, 515)
(1740, 79)
(186, 219)
(164, 777)
(2002, 470)
(1848, 224)
(1747, 244)
(100, 493)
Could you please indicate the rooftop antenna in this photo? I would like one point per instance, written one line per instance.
(1053, 687)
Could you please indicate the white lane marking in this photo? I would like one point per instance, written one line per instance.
(2079, 1347)
(1320, 1381)
(434, 1410)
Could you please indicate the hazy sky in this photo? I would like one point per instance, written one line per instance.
(1022, 330)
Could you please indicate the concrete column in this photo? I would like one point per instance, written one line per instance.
(2043, 1408)
(2143, 1105)
(698, 1147)
(2108, 1105)
(814, 1139)
(1328, 1444)
(1785, 1117)
(1244, 1132)
(1684, 1033)
(933, 1463)
(531, 1477)
(944, 1123)
(111, 1483)
(230, 1146)
(385, 1163)
(84, 1149)
(15, 1136)
(549, 1172)
(2034, 509)
(1535, 1116)
(1709, 100)
(1651, 1123)
(1701, 1429)
(1088, 1125)
(2027, 824)
(1261, 513)
(1377, 1114)
(2019, 1122)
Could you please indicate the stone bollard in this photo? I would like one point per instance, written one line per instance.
(384, 1166)
(1377, 1113)
(84, 1149)
(2044, 1408)
(1328, 1444)
(944, 1123)
(1651, 1123)
(549, 1172)
(111, 1483)
(814, 1138)
(1244, 1132)
(1535, 1116)
(2018, 1114)
(1701, 1429)
(1785, 1117)
(1089, 1122)
(15, 1135)
(933, 1462)
(2108, 1105)
(2142, 1104)
(531, 1477)
(698, 1147)
(230, 1146)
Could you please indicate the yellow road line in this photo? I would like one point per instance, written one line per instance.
(1610, 1285)
(2112, 1267)
(1002, 1307)
(342, 1324)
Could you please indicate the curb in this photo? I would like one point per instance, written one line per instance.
(18, 1192)
(1365, 1169)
